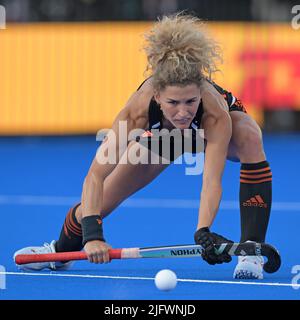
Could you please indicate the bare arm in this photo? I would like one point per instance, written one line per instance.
(217, 130)
(211, 96)
(92, 193)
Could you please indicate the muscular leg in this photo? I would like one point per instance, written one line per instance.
(256, 177)
(122, 182)
(246, 143)
(126, 179)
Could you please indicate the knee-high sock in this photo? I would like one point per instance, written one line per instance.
(255, 200)
(71, 234)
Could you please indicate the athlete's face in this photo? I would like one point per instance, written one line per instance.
(179, 104)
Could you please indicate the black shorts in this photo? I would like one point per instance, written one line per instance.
(170, 148)
(175, 148)
(237, 106)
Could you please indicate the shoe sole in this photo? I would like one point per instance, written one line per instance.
(244, 274)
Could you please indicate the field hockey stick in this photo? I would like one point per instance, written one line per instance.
(176, 251)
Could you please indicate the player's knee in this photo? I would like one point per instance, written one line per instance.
(250, 144)
(253, 137)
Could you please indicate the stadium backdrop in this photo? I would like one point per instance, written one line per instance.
(73, 78)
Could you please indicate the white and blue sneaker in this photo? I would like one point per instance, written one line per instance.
(249, 267)
(38, 266)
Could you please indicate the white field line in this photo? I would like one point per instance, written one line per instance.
(66, 275)
(31, 200)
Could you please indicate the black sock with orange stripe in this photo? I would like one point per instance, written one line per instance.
(71, 234)
(255, 200)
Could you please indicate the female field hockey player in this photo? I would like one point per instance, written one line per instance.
(179, 94)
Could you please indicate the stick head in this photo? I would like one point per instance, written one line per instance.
(274, 259)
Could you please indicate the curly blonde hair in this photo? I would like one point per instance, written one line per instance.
(180, 52)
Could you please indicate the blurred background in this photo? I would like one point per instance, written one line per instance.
(68, 66)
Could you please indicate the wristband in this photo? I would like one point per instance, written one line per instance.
(92, 229)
